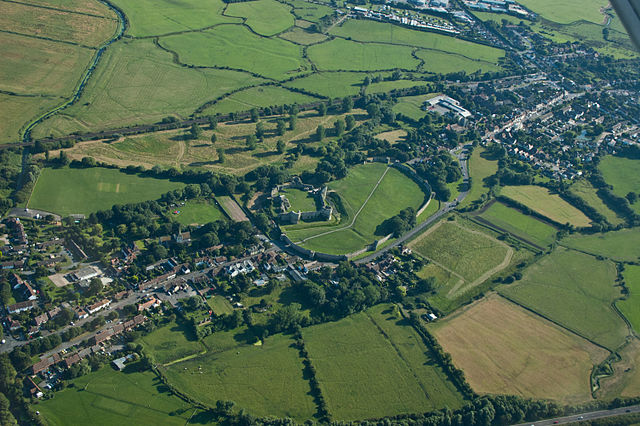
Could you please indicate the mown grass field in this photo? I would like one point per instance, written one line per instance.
(387, 86)
(623, 174)
(630, 307)
(569, 11)
(20, 110)
(541, 200)
(136, 82)
(480, 168)
(300, 200)
(266, 17)
(108, 397)
(197, 212)
(236, 47)
(575, 290)
(394, 193)
(83, 191)
(587, 192)
(618, 245)
(330, 84)
(345, 55)
(220, 305)
(445, 63)
(169, 343)
(519, 224)
(411, 106)
(406, 380)
(264, 380)
(257, 97)
(466, 252)
(152, 17)
(504, 349)
(301, 36)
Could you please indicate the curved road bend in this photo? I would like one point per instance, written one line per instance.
(462, 159)
(592, 415)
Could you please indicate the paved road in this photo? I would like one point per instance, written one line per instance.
(462, 159)
(585, 416)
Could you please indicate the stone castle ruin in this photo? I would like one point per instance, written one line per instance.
(288, 217)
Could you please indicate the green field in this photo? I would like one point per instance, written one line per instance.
(411, 106)
(469, 253)
(197, 212)
(480, 168)
(258, 97)
(345, 55)
(387, 86)
(576, 291)
(382, 202)
(169, 343)
(519, 224)
(542, 201)
(445, 63)
(567, 11)
(623, 174)
(371, 31)
(630, 307)
(618, 245)
(157, 17)
(330, 84)
(264, 380)
(137, 83)
(83, 191)
(373, 365)
(108, 397)
(300, 200)
(302, 36)
(587, 192)
(266, 17)
(220, 305)
(308, 11)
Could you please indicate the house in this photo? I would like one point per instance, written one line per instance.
(14, 325)
(98, 306)
(27, 305)
(86, 273)
(41, 319)
(29, 292)
(149, 304)
(71, 360)
(81, 313)
(183, 237)
(120, 362)
(41, 366)
(101, 336)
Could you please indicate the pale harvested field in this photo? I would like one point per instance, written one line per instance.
(504, 349)
(393, 136)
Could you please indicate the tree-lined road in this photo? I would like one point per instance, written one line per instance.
(585, 416)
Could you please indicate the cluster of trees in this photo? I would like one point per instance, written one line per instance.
(310, 371)
(398, 224)
(620, 205)
(440, 170)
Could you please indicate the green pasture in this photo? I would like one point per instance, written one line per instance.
(619, 245)
(258, 97)
(330, 84)
(67, 191)
(265, 17)
(411, 106)
(469, 253)
(371, 31)
(197, 212)
(265, 380)
(300, 200)
(302, 36)
(109, 397)
(630, 307)
(157, 17)
(623, 174)
(308, 11)
(519, 224)
(498, 17)
(18, 111)
(137, 83)
(220, 305)
(567, 11)
(541, 200)
(587, 192)
(236, 47)
(348, 352)
(576, 291)
(480, 168)
(345, 55)
(387, 86)
(444, 63)
(170, 343)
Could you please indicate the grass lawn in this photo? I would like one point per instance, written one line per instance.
(480, 168)
(567, 11)
(339, 55)
(519, 224)
(264, 380)
(236, 47)
(468, 253)
(411, 106)
(383, 202)
(301, 36)
(387, 86)
(198, 212)
(109, 397)
(587, 192)
(623, 174)
(330, 84)
(220, 305)
(156, 17)
(541, 200)
(68, 191)
(256, 97)
(618, 245)
(348, 352)
(371, 31)
(300, 200)
(169, 343)
(445, 63)
(630, 307)
(575, 290)
(137, 83)
(505, 349)
(266, 17)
